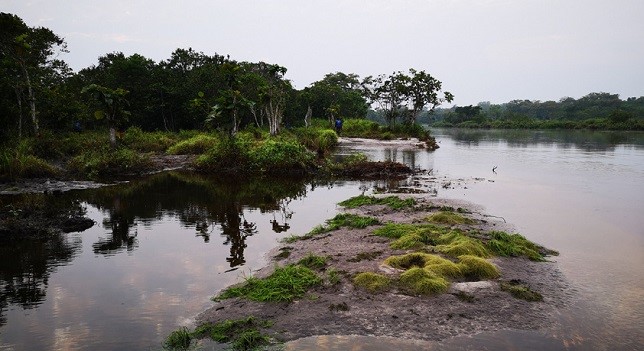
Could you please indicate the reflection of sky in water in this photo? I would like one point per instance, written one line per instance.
(133, 299)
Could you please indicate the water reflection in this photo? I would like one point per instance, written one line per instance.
(28, 256)
(209, 205)
(566, 139)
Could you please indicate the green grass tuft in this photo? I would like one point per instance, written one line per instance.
(449, 218)
(393, 202)
(514, 245)
(179, 339)
(243, 334)
(408, 242)
(285, 284)
(423, 282)
(478, 268)
(313, 262)
(521, 291)
(372, 282)
(345, 220)
(459, 245)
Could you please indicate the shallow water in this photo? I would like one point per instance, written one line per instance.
(163, 245)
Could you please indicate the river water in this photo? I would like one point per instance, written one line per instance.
(165, 244)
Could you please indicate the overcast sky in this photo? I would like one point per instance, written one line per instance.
(482, 50)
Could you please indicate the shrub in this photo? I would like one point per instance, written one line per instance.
(361, 128)
(197, 144)
(139, 140)
(273, 156)
(14, 164)
(108, 162)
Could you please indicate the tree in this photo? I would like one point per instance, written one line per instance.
(405, 96)
(112, 103)
(28, 57)
(338, 93)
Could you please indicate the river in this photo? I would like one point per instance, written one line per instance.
(165, 244)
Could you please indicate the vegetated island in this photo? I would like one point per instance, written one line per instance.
(403, 266)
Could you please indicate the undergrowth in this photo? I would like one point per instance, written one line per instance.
(394, 202)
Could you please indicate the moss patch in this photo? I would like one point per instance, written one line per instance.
(243, 334)
(372, 282)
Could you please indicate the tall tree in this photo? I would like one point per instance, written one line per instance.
(112, 104)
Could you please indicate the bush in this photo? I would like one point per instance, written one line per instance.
(139, 140)
(361, 128)
(195, 145)
(15, 164)
(273, 156)
(108, 163)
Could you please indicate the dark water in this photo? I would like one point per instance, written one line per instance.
(163, 245)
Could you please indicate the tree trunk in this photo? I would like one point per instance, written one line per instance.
(32, 100)
(307, 117)
(19, 97)
(112, 136)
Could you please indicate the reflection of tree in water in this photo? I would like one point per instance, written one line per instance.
(119, 223)
(27, 261)
(207, 204)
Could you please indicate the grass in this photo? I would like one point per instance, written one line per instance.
(179, 339)
(372, 282)
(136, 139)
(433, 263)
(107, 163)
(423, 282)
(394, 202)
(408, 242)
(456, 245)
(313, 262)
(448, 218)
(515, 245)
(243, 334)
(345, 220)
(285, 284)
(15, 164)
(521, 291)
(478, 268)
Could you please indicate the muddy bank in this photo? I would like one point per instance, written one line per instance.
(341, 308)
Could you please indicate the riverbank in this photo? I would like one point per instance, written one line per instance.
(341, 306)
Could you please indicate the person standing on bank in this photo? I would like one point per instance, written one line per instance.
(338, 125)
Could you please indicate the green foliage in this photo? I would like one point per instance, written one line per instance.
(521, 291)
(285, 284)
(478, 268)
(178, 340)
(361, 128)
(280, 156)
(450, 218)
(423, 282)
(372, 282)
(320, 140)
(195, 145)
(394, 202)
(243, 334)
(514, 245)
(313, 262)
(408, 241)
(108, 163)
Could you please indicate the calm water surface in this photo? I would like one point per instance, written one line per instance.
(163, 245)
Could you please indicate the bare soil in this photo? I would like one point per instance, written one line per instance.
(343, 309)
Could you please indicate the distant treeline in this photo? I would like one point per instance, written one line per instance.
(593, 111)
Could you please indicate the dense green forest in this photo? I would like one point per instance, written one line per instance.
(593, 111)
(189, 90)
